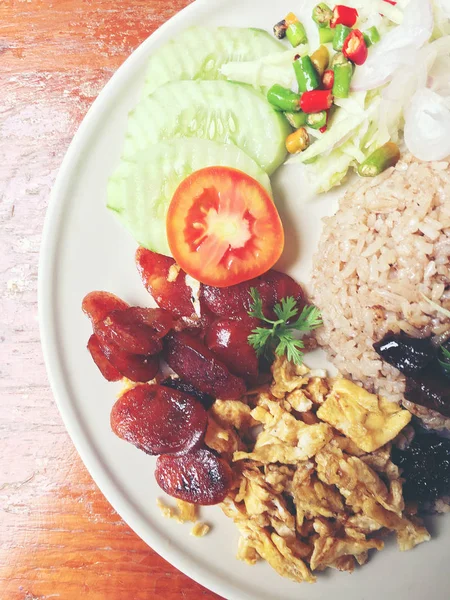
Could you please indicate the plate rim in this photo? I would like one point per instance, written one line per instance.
(49, 333)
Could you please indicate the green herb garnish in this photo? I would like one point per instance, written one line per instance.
(445, 364)
(278, 338)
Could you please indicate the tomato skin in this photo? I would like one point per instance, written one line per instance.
(223, 227)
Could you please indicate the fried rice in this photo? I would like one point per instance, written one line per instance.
(386, 247)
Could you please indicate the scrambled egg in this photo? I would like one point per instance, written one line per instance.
(200, 529)
(314, 484)
(225, 419)
(183, 513)
(369, 421)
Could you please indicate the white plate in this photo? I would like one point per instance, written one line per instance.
(84, 249)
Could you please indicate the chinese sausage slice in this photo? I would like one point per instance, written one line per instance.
(159, 420)
(199, 477)
(188, 356)
(136, 330)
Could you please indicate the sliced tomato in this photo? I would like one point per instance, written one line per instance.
(223, 227)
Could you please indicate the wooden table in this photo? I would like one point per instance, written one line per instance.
(59, 538)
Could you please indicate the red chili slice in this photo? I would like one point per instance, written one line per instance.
(98, 305)
(355, 48)
(344, 15)
(132, 366)
(328, 79)
(194, 362)
(228, 339)
(136, 330)
(199, 477)
(109, 372)
(159, 420)
(316, 101)
(155, 271)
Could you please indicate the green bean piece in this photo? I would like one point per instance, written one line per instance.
(340, 34)
(384, 157)
(321, 59)
(306, 74)
(283, 99)
(317, 120)
(326, 35)
(322, 15)
(296, 34)
(371, 36)
(296, 119)
(343, 74)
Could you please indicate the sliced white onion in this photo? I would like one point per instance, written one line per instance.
(439, 78)
(444, 7)
(390, 11)
(427, 126)
(396, 47)
(405, 82)
(373, 20)
(393, 100)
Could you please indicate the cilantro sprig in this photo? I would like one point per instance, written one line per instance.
(277, 336)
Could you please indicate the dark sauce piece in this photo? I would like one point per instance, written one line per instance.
(425, 465)
(408, 355)
(176, 383)
(430, 388)
(427, 383)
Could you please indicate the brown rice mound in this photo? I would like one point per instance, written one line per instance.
(388, 242)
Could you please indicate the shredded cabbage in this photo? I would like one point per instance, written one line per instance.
(328, 171)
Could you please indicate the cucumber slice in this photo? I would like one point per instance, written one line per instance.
(216, 110)
(199, 52)
(141, 189)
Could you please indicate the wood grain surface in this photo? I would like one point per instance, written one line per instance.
(59, 538)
